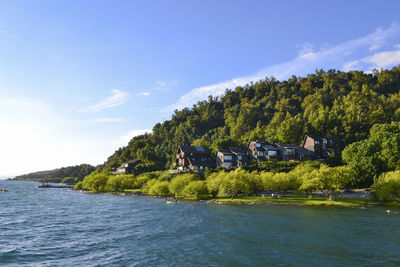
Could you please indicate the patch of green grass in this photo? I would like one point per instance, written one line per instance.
(392, 203)
(301, 200)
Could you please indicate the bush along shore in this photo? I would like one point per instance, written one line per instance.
(308, 183)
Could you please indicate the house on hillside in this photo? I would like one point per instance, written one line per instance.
(290, 152)
(241, 157)
(193, 159)
(321, 146)
(231, 158)
(262, 151)
(127, 168)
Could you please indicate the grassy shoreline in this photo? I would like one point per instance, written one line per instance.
(298, 200)
(287, 200)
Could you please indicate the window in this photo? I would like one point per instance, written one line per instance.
(260, 153)
(201, 167)
(316, 142)
(258, 145)
(291, 151)
(325, 141)
(239, 157)
(227, 164)
(272, 153)
(227, 157)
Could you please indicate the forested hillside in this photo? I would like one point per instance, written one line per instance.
(57, 175)
(339, 105)
(360, 111)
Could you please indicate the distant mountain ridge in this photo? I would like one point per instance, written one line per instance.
(57, 175)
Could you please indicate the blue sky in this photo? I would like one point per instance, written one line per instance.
(78, 79)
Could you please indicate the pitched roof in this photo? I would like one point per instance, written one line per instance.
(264, 145)
(289, 146)
(224, 151)
(237, 151)
(270, 147)
(195, 149)
(202, 161)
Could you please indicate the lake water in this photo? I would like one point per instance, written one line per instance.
(55, 227)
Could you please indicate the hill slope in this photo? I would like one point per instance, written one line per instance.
(339, 105)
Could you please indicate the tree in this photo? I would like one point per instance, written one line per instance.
(178, 183)
(196, 189)
(121, 182)
(387, 186)
(330, 180)
(159, 188)
(95, 181)
(379, 153)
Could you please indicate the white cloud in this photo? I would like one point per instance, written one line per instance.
(378, 60)
(340, 56)
(161, 83)
(351, 65)
(144, 94)
(125, 138)
(383, 59)
(118, 98)
(375, 47)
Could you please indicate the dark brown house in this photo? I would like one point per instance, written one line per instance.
(321, 146)
(127, 168)
(193, 159)
(231, 158)
(262, 150)
(290, 152)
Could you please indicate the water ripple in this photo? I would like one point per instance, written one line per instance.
(46, 227)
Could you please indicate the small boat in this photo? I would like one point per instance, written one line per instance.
(172, 202)
(4, 190)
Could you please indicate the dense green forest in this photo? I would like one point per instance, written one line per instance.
(342, 106)
(360, 111)
(57, 175)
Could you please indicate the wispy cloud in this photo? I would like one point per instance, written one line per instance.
(27, 44)
(144, 94)
(343, 56)
(161, 83)
(116, 99)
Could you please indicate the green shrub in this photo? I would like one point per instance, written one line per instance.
(95, 181)
(196, 189)
(180, 182)
(330, 180)
(159, 188)
(232, 183)
(387, 186)
(120, 182)
(78, 186)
